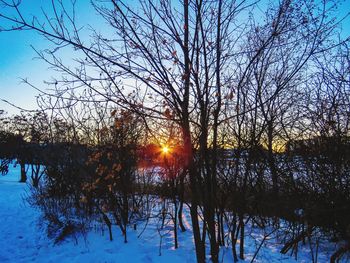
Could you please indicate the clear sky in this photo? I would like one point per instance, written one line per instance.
(17, 57)
(16, 60)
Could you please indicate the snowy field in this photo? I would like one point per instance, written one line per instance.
(23, 239)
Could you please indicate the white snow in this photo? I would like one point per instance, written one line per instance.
(23, 238)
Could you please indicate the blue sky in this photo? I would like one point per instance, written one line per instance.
(17, 57)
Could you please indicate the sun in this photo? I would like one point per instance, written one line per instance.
(165, 149)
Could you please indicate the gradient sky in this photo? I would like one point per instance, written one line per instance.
(17, 57)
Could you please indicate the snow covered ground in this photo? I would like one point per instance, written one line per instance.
(23, 239)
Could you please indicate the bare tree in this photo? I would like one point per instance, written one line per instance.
(198, 64)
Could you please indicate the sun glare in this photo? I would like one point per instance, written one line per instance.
(165, 149)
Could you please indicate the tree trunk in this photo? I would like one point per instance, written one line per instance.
(175, 224)
(234, 239)
(271, 160)
(199, 244)
(109, 225)
(23, 172)
(241, 244)
(181, 200)
(125, 215)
